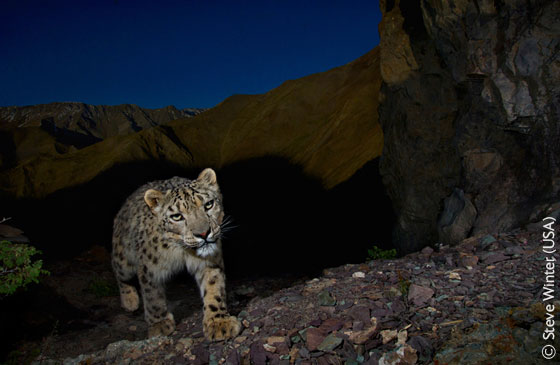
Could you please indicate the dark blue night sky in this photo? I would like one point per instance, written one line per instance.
(182, 53)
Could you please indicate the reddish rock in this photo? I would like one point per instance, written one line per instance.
(360, 313)
(282, 348)
(258, 354)
(469, 260)
(361, 337)
(404, 354)
(331, 324)
(314, 337)
(233, 358)
(419, 295)
(494, 257)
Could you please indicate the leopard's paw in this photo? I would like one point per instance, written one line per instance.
(221, 328)
(129, 299)
(162, 328)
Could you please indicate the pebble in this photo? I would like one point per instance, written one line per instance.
(275, 339)
(454, 276)
(402, 337)
(304, 353)
(258, 353)
(469, 260)
(487, 240)
(326, 299)
(359, 337)
(388, 335)
(313, 338)
(331, 324)
(493, 257)
(403, 355)
(419, 295)
(184, 343)
(360, 313)
(269, 348)
(329, 343)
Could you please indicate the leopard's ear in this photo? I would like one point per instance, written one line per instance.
(153, 199)
(208, 176)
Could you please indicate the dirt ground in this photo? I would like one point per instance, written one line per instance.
(80, 308)
(478, 302)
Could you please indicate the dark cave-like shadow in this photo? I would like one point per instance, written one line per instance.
(8, 154)
(34, 313)
(286, 221)
(72, 220)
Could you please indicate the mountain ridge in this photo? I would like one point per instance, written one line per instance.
(98, 121)
(326, 123)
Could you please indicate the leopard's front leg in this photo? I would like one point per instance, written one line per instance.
(160, 321)
(217, 323)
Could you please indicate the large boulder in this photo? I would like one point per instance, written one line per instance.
(469, 102)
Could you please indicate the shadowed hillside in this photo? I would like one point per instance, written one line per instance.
(326, 123)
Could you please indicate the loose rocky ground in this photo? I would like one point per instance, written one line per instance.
(479, 302)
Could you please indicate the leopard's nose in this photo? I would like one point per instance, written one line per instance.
(203, 235)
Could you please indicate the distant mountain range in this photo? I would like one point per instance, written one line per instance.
(81, 124)
(47, 130)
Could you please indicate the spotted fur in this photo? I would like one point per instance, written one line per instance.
(162, 228)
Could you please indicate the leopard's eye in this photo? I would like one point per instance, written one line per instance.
(209, 205)
(176, 217)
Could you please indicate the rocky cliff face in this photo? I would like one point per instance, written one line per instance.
(470, 113)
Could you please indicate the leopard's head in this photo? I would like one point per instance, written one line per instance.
(190, 215)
